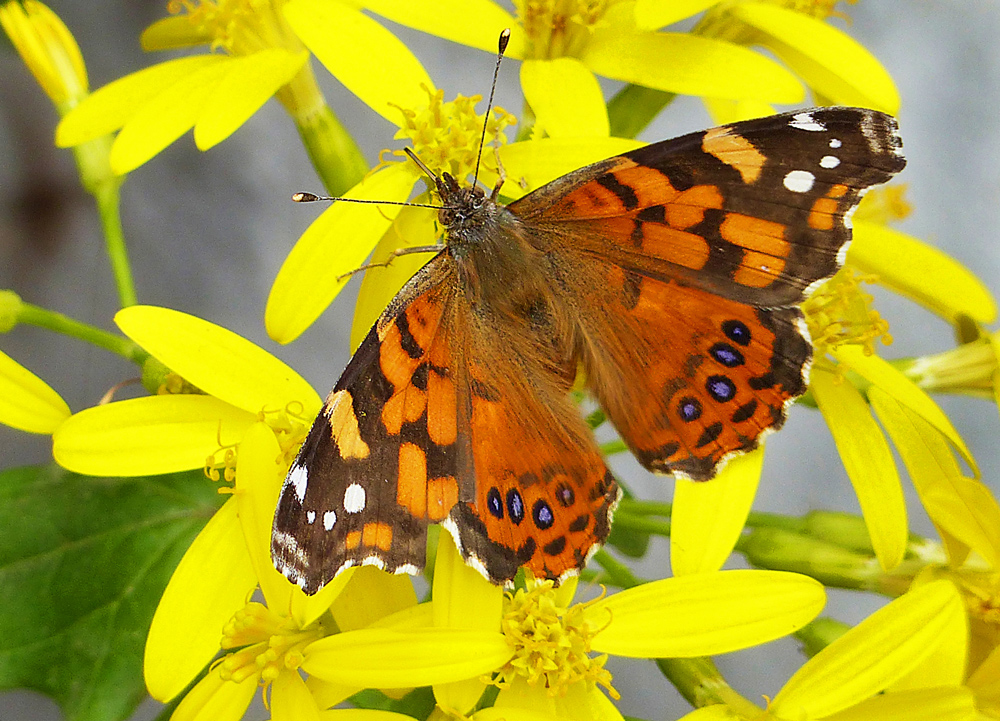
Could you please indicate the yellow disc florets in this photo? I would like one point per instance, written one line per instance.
(240, 27)
(268, 644)
(840, 312)
(552, 642)
(559, 28)
(447, 135)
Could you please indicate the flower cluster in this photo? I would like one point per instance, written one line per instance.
(224, 411)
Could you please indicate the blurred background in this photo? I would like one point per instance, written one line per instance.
(207, 233)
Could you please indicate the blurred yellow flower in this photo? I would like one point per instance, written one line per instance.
(49, 50)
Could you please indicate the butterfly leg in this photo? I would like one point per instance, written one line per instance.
(395, 254)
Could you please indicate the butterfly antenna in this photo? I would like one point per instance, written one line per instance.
(504, 39)
(305, 197)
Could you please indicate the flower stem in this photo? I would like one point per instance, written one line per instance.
(44, 318)
(92, 159)
(634, 107)
(334, 153)
(701, 684)
(615, 573)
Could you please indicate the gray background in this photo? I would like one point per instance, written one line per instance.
(208, 232)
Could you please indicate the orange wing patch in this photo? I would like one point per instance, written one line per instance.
(344, 426)
(729, 147)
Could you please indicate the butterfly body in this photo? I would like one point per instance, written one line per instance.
(672, 275)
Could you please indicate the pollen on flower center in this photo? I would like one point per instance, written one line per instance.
(270, 644)
(552, 642)
(446, 135)
(290, 428)
(241, 27)
(840, 312)
(559, 28)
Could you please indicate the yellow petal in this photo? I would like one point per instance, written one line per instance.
(166, 117)
(691, 65)
(869, 464)
(147, 436)
(967, 509)
(579, 702)
(291, 699)
(213, 699)
(831, 62)
(708, 518)
(174, 32)
(985, 683)
(717, 712)
(653, 14)
(217, 361)
(538, 162)
(247, 84)
(362, 714)
(890, 379)
(945, 666)
(372, 595)
(462, 599)
(476, 23)
(115, 104)
(390, 658)
(211, 583)
(932, 704)
(337, 242)
(413, 227)
(340, 35)
(565, 97)
(26, 401)
(327, 694)
(928, 458)
(872, 655)
(921, 272)
(724, 112)
(704, 614)
(258, 482)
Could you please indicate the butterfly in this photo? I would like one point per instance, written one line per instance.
(671, 275)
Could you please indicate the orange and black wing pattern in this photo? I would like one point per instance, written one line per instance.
(686, 261)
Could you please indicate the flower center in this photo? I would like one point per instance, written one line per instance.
(446, 135)
(559, 28)
(552, 642)
(240, 27)
(290, 428)
(268, 644)
(821, 9)
(840, 312)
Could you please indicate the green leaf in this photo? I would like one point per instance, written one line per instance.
(83, 562)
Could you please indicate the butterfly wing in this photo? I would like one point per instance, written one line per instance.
(684, 262)
(447, 412)
(381, 459)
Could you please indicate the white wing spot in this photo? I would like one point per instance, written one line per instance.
(834, 143)
(829, 161)
(354, 498)
(310, 517)
(298, 476)
(329, 518)
(799, 181)
(805, 121)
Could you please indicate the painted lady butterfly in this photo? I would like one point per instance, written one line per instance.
(671, 274)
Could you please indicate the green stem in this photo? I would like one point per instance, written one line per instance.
(615, 573)
(44, 318)
(636, 509)
(93, 161)
(335, 155)
(701, 684)
(634, 107)
(820, 633)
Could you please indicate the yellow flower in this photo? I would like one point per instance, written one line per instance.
(565, 44)
(552, 671)
(446, 136)
(973, 368)
(48, 49)
(904, 661)
(256, 54)
(837, 68)
(26, 401)
(845, 330)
